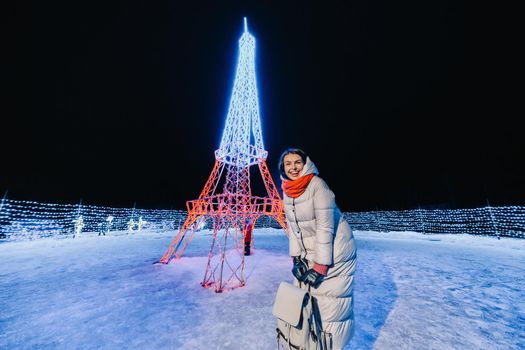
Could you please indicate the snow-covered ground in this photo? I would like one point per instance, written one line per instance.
(412, 292)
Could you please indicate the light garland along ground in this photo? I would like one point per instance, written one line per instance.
(22, 220)
(495, 221)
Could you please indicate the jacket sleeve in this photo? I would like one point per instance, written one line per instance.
(295, 247)
(324, 206)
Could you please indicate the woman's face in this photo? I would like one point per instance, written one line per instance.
(293, 165)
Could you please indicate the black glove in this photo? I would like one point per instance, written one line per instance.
(299, 268)
(312, 278)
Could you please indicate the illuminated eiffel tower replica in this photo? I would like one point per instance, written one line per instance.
(230, 209)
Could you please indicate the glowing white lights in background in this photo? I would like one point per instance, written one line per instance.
(131, 224)
(79, 225)
(31, 220)
(496, 221)
(140, 224)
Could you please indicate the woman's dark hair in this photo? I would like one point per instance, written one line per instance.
(297, 151)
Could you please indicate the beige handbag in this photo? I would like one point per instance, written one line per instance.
(297, 325)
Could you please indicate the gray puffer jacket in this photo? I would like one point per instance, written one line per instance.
(318, 232)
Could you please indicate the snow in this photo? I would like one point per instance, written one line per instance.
(412, 291)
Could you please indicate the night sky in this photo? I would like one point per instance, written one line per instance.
(399, 104)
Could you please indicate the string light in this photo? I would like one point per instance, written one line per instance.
(140, 224)
(131, 225)
(20, 220)
(506, 221)
(79, 225)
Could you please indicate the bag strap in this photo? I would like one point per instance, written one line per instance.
(315, 324)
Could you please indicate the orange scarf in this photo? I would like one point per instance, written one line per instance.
(295, 188)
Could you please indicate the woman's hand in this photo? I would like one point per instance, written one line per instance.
(313, 278)
(299, 268)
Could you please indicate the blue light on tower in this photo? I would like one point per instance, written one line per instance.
(243, 118)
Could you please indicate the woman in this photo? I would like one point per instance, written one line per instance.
(321, 244)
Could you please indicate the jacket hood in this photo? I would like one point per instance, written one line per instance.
(309, 168)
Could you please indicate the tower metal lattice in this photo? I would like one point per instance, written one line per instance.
(228, 211)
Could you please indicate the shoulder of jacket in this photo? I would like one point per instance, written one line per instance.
(318, 183)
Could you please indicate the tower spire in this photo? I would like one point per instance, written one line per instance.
(243, 118)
